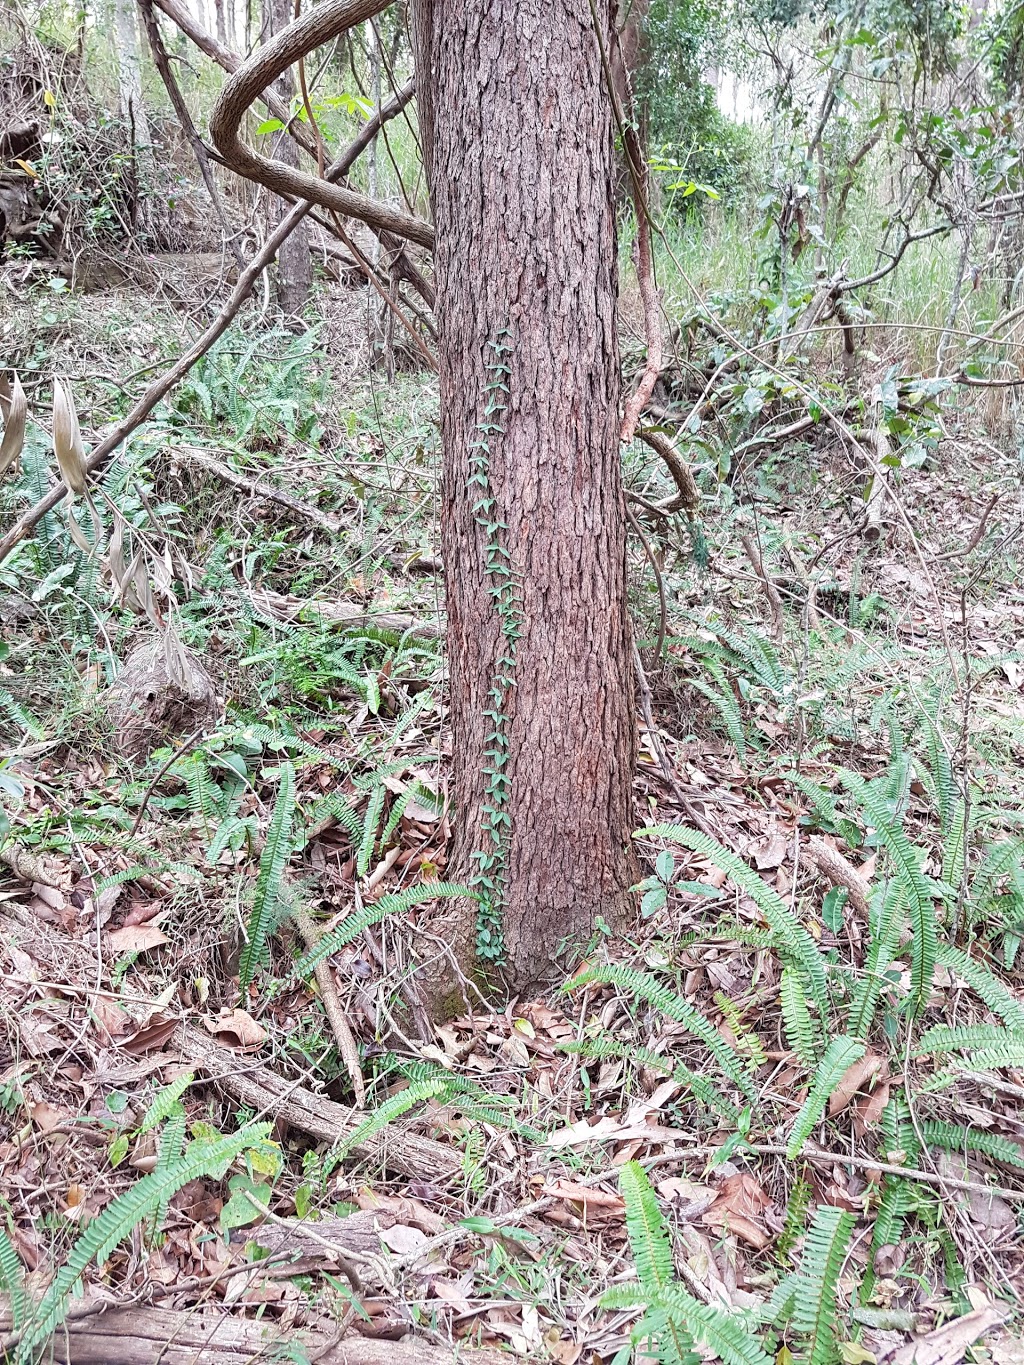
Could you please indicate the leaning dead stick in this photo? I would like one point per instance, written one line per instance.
(161, 386)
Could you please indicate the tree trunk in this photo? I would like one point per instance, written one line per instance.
(129, 73)
(294, 266)
(519, 161)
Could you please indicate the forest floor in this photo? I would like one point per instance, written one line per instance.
(848, 728)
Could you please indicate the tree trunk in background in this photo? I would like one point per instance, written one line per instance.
(519, 161)
(222, 31)
(129, 77)
(294, 267)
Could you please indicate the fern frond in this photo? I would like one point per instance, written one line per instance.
(273, 860)
(839, 1057)
(956, 1137)
(954, 846)
(371, 824)
(339, 809)
(702, 1089)
(668, 1002)
(885, 922)
(793, 937)
(939, 771)
(725, 1334)
(890, 832)
(893, 1207)
(814, 1306)
(645, 1228)
(397, 904)
(206, 1159)
(985, 984)
(166, 1102)
(392, 1108)
(12, 1281)
(999, 861)
(621, 1297)
(801, 1033)
(796, 1216)
(722, 697)
(945, 1038)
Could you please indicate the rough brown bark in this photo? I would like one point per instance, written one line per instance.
(294, 266)
(162, 1336)
(520, 167)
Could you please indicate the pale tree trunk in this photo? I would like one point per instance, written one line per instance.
(518, 139)
(129, 73)
(294, 267)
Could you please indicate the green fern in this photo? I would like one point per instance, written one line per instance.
(273, 861)
(954, 847)
(12, 1281)
(702, 1089)
(839, 1057)
(371, 822)
(728, 708)
(645, 1228)
(796, 1218)
(889, 831)
(166, 1102)
(938, 771)
(792, 937)
(956, 1137)
(674, 1321)
(398, 904)
(205, 1159)
(802, 1034)
(393, 1108)
(815, 1310)
(946, 1038)
(668, 1002)
(885, 921)
(826, 813)
(338, 809)
(985, 985)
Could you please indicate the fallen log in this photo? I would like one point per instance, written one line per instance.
(164, 1336)
(241, 1076)
(261, 1089)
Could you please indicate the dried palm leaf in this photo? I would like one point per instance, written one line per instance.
(67, 439)
(15, 416)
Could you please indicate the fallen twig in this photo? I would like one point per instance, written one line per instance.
(332, 1005)
(256, 488)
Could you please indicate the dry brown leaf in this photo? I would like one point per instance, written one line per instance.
(853, 1079)
(402, 1239)
(15, 415)
(744, 1228)
(155, 1034)
(67, 439)
(112, 1019)
(135, 938)
(237, 1029)
(868, 1110)
(770, 853)
(741, 1202)
(562, 1352)
(404, 1210)
(690, 1199)
(592, 1200)
(450, 1293)
(47, 1117)
(948, 1344)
